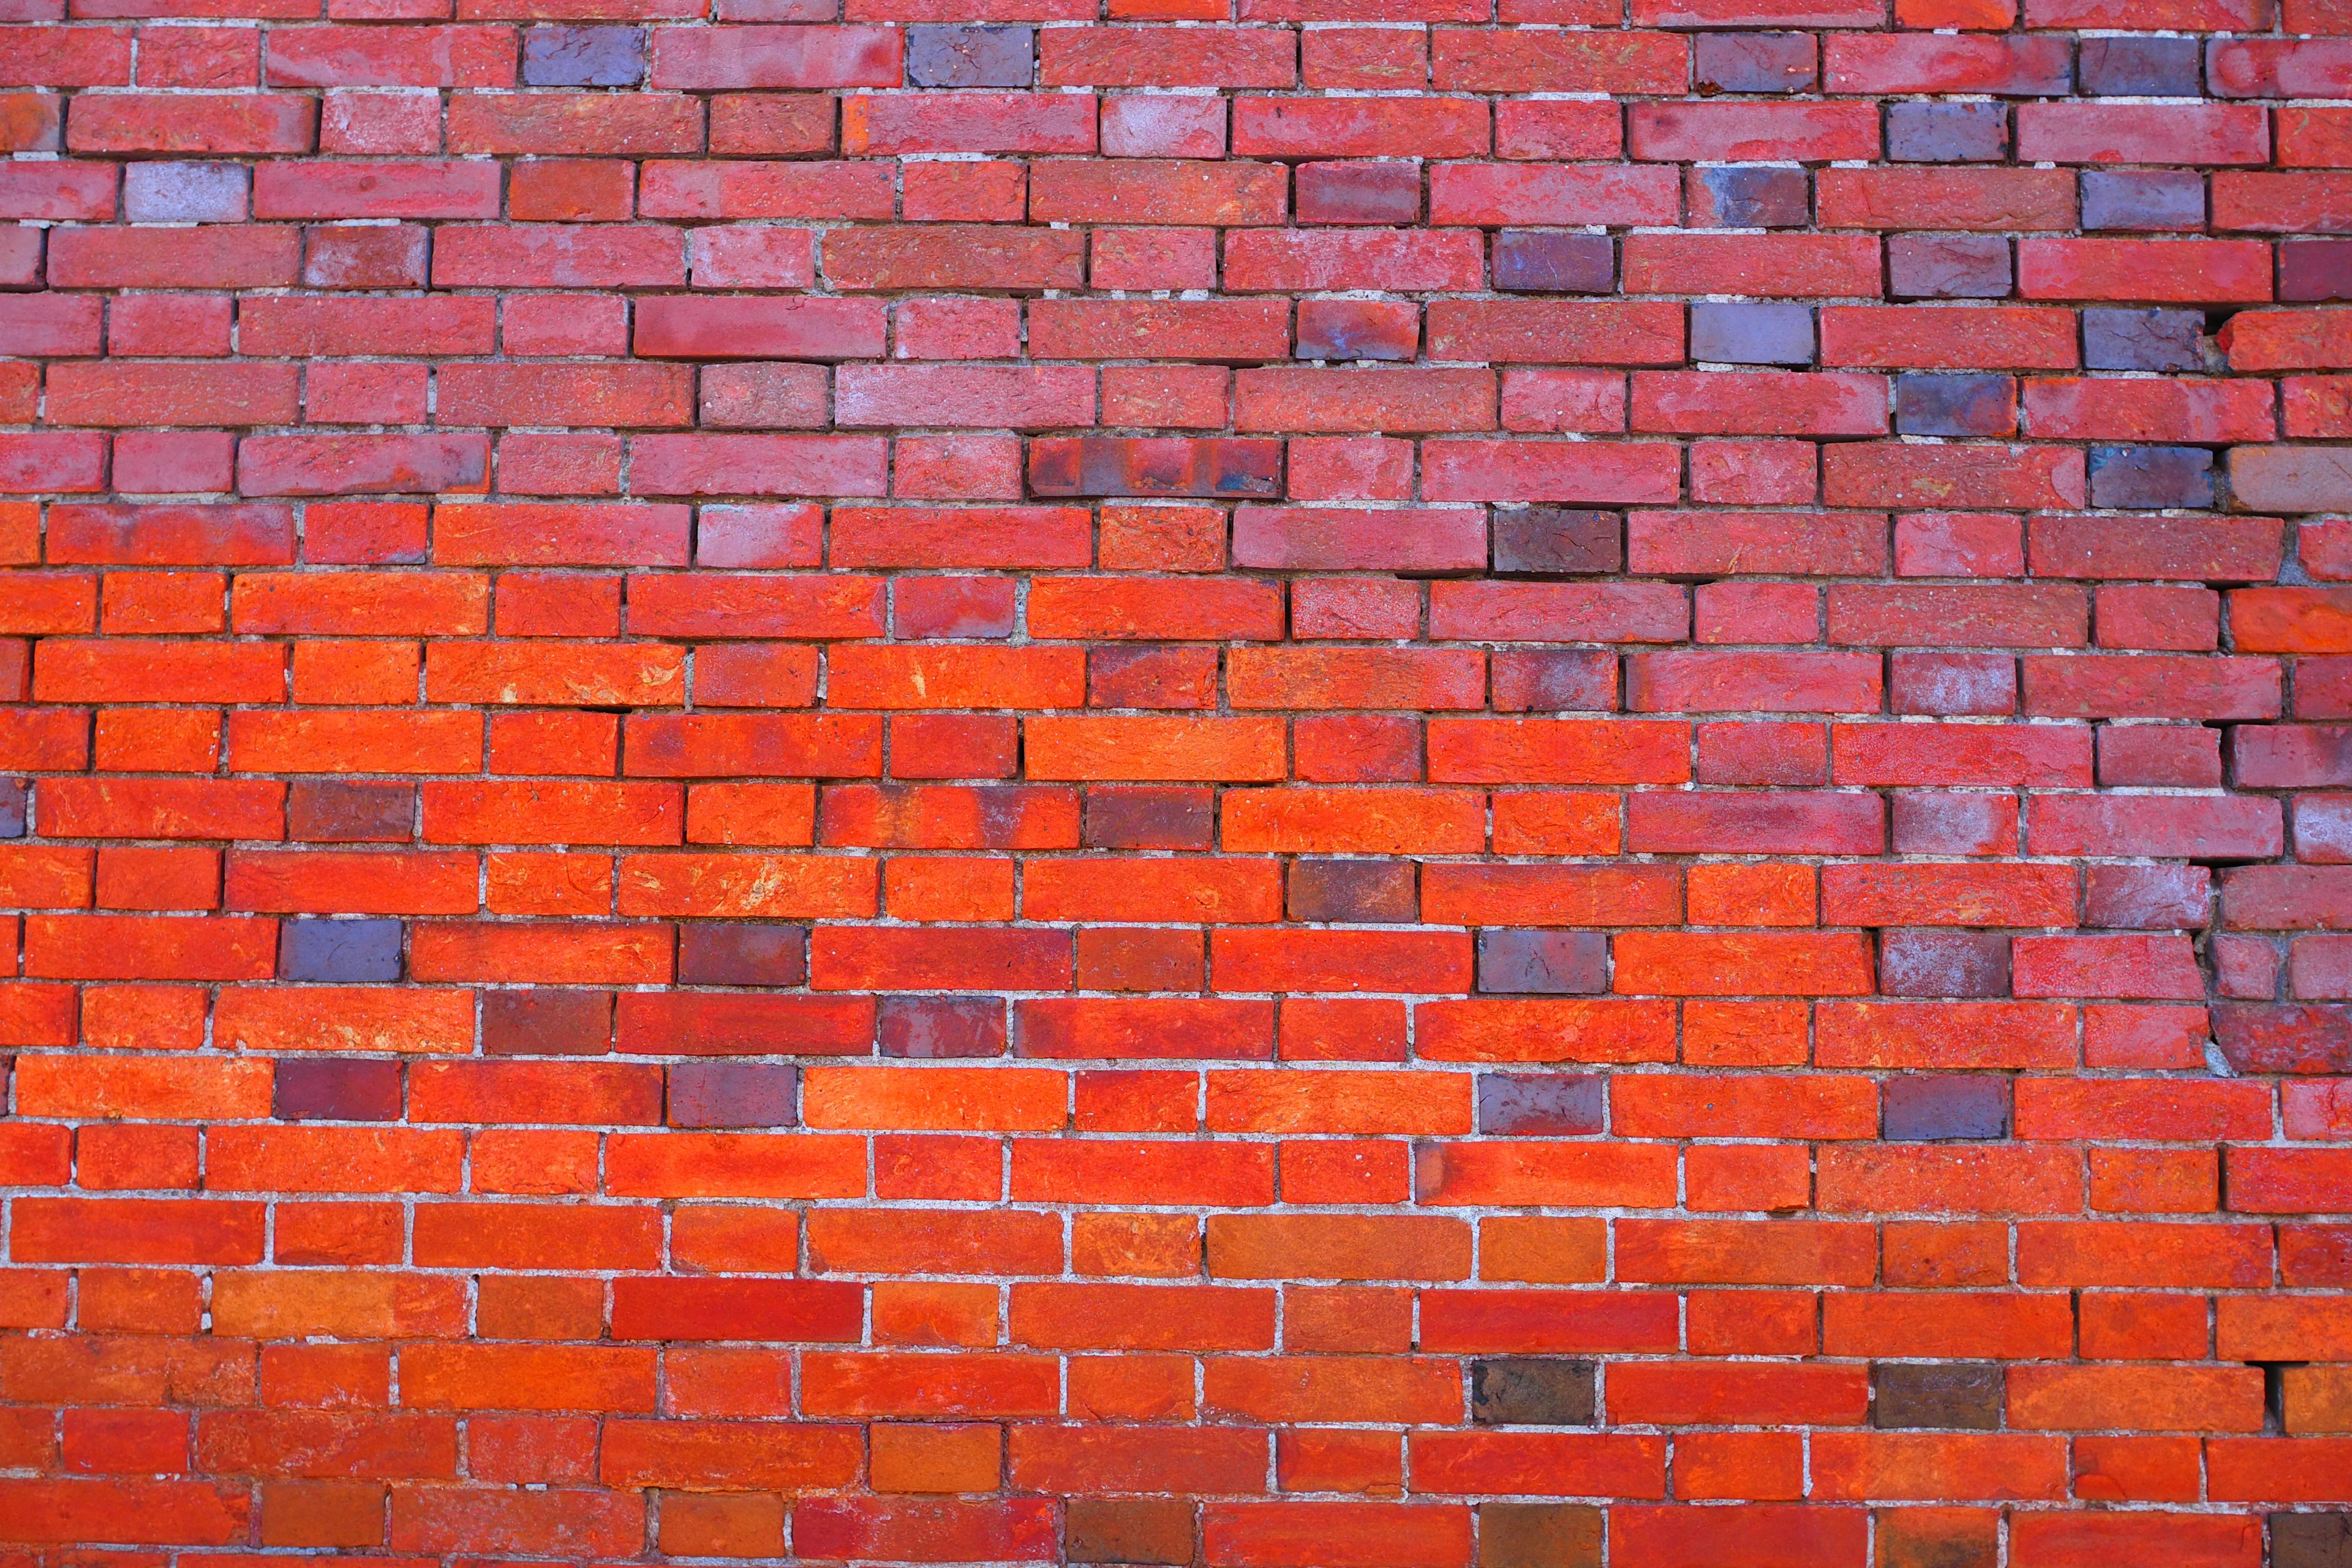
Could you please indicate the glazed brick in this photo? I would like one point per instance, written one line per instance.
(987, 783)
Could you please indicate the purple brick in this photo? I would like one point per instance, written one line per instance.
(537, 1022)
(1149, 818)
(2140, 68)
(733, 1094)
(2148, 898)
(1541, 1104)
(2310, 270)
(1948, 267)
(1943, 963)
(1749, 198)
(1354, 891)
(2151, 477)
(958, 55)
(1555, 681)
(1752, 334)
(583, 57)
(185, 193)
(2162, 757)
(327, 811)
(1956, 404)
(326, 1088)
(739, 953)
(2143, 200)
(1359, 191)
(11, 808)
(2142, 340)
(1545, 963)
(1756, 62)
(1946, 1107)
(1947, 132)
(930, 1027)
(1358, 328)
(1975, 684)
(350, 952)
(1553, 541)
(1531, 262)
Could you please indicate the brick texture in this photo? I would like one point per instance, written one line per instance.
(1220, 784)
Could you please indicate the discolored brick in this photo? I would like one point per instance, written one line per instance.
(2151, 477)
(2124, 67)
(547, 1023)
(1528, 262)
(1949, 267)
(1947, 132)
(1956, 404)
(932, 1028)
(1148, 818)
(1128, 1530)
(1945, 1107)
(1541, 1104)
(1358, 192)
(1749, 198)
(1943, 963)
(330, 811)
(346, 951)
(2143, 200)
(1543, 962)
(321, 1088)
(1549, 542)
(1352, 891)
(1539, 1535)
(1531, 1391)
(1752, 334)
(970, 55)
(583, 57)
(741, 953)
(1964, 1397)
(733, 1094)
(2141, 339)
(1754, 62)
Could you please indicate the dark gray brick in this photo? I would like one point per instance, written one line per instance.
(2151, 477)
(1945, 1108)
(1956, 404)
(1531, 1391)
(352, 952)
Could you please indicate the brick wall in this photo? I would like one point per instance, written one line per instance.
(1289, 784)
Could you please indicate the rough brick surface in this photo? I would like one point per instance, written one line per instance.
(1221, 784)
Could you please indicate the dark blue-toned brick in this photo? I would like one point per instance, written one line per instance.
(1752, 334)
(2141, 339)
(1549, 963)
(2151, 475)
(2143, 200)
(11, 808)
(1948, 267)
(2141, 67)
(351, 952)
(1943, 963)
(1939, 1108)
(1541, 1104)
(1532, 262)
(738, 954)
(325, 1088)
(1756, 62)
(1749, 196)
(1956, 404)
(583, 57)
(734, 1094)
(960, 54)
(1947, 132)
